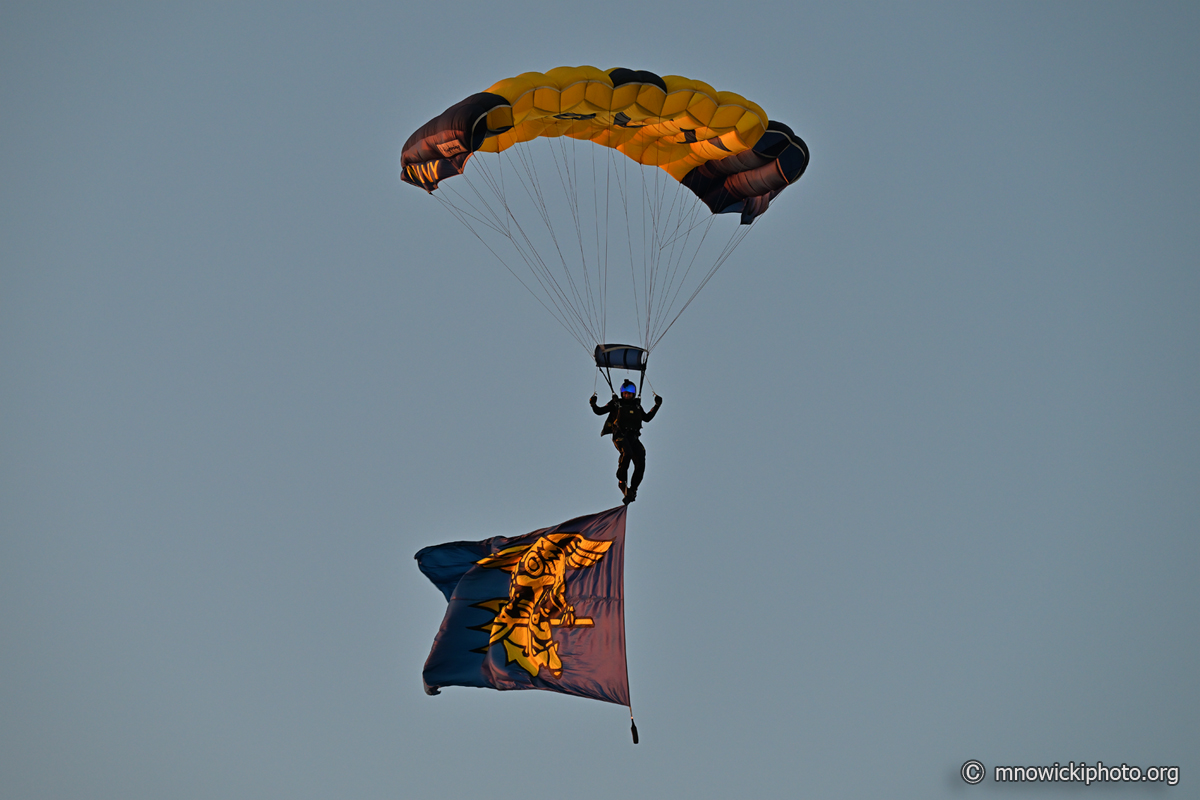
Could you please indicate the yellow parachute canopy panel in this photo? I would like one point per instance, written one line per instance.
(673, 122)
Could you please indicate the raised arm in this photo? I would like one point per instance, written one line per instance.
(650, 414)
(604, 409)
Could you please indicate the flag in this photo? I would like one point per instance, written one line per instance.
(541, 611)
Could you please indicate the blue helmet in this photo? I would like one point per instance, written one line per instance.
(628, 386)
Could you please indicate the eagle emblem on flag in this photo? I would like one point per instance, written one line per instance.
(537, 603)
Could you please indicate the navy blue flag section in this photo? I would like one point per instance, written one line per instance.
(545, 610)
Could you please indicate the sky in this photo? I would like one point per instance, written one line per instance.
(923, 488)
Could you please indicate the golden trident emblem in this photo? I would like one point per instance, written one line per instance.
(536, 602)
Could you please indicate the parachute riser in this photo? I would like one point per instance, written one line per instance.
(608, 379)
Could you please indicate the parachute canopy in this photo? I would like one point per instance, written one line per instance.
(718, 144)
(606, 184)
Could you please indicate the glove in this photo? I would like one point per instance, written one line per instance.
(657, 399)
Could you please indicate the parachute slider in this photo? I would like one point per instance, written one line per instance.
(621, 356)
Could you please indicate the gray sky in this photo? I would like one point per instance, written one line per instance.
(923, 489)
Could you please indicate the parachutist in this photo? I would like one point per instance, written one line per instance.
(624, 423)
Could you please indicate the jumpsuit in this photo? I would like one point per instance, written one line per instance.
(625, 418)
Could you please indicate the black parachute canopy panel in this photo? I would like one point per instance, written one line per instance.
(440, 148)
(745, 183)
(621, 356)
(621, 76)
